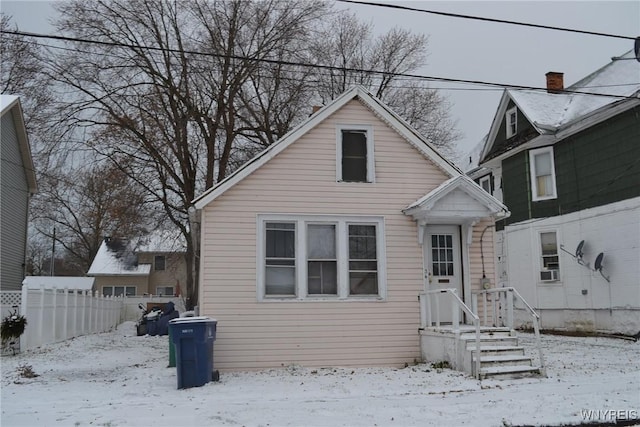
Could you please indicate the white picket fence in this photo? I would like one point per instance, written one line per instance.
(55, 315)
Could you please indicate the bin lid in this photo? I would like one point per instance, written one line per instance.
(198, 319)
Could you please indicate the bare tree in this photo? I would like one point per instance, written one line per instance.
(83, 207)
(165, 89)
(350, 45)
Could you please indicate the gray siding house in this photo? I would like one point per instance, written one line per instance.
(17, 184)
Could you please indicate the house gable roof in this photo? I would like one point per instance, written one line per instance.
(551, 113)
(374, 104)
(115, 258)
(444, 203)
(11, 104)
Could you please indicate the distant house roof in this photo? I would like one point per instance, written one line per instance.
(378, 107)
(115, 258)
(550, 113)
(165, 241)
(59, 282)
(10, 103)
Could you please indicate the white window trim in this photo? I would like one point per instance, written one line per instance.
(371, 173)
(342, 253)
(486, 178)
(532, 174)
(507, 115)
(541, 268)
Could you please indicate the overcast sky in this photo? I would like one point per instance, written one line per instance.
(474, 50)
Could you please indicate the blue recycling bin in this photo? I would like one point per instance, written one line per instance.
(193, 339)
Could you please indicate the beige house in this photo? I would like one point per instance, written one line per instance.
(316, 251)
(154, 266)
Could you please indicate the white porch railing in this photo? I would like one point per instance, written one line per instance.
(428, 320)
(498, 311)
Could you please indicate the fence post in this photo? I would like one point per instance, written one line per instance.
(23, 311)
(65, 330)
(41, 315)
(75, 313)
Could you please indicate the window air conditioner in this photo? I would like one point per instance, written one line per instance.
(550, 275)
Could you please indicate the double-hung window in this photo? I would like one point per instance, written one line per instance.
(543, 177)
(485, 183)
(280, 260)
(511, 118)
(355, 162)
(320, 257)
(363, 264)
(550, 261)
(322, 265)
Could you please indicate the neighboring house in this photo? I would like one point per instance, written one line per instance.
(315, 251)
(567, 165)
(17, 185)
(154, 265)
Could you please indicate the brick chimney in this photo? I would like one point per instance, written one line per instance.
(555, 82)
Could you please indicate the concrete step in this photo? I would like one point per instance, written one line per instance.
(503, 360)
(509, 372)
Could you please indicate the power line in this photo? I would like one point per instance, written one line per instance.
(480, 18)
(395, 86)
(301, 64)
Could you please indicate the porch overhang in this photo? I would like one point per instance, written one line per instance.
(458, 200)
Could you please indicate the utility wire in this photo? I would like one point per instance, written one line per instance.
(301, 64)
(480, 18)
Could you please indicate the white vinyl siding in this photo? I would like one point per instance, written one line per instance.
(301, 180)
(14, 204)
(543, 176)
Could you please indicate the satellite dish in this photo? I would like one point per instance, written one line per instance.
(579, 251)
(598, 264)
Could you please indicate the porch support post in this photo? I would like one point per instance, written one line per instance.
(466, 230)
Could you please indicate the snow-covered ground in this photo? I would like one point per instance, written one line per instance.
(118, 379)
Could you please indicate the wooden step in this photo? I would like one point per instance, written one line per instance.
(503, 360)
(491, 340)
(496, 350)
(509, 372)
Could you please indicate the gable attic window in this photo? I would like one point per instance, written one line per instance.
(511, 118)
(543, 177)
(355, 161)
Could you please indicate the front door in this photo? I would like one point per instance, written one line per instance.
(443, 265)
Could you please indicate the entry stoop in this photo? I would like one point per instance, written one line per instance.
(501, 356)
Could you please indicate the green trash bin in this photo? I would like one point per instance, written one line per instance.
(172, 352)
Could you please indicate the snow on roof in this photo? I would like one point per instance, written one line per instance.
(162, 241)
(470, 160)
(6, 102)
(59, 282)
(115, 258)
(620, 77)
